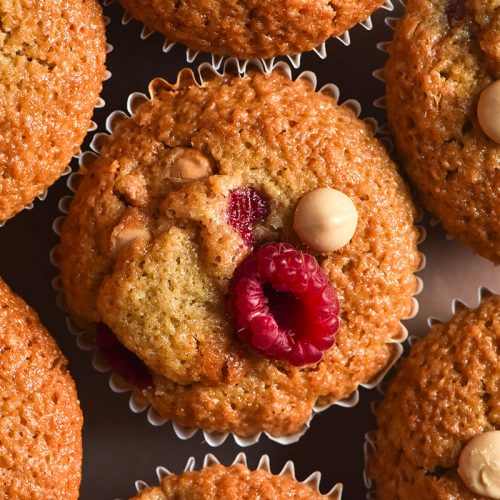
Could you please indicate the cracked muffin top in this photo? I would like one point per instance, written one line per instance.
(152, 245)
(40, 417)
(248, 29)
(442, 396)
(234, 483)
(445, 54)
(51, 69)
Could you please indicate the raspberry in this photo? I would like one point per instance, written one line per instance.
(455, 11)
(246, 208)
(284, 305)
(122, 361)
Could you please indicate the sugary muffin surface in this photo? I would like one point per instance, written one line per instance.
(40, 417)
(249, 28)
(51, 67)
(232, 483)
(445, 393)
(164, 294)
(444, 54)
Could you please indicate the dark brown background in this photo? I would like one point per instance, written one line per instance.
(119, 446)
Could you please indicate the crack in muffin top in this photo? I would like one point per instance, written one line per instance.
(164, 291)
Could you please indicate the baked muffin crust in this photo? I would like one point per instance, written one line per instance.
(444, 394)
(51, 67)
(439, 64)
(164, 295)
(248, 28)
(40, 416)
(233, 483)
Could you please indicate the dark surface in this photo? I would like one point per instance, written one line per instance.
(119, 446)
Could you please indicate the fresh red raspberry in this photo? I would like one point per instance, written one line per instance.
(284, 305)
(246, 208)
(455, 11)
(121, 360)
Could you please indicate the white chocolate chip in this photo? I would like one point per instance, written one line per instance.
(190, 164)
(132, 226)
(479, 464)
(325, 219)
(488, 111)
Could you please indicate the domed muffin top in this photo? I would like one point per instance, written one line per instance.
(52, 57)
(151, 253)
(234, 483)
(40, 417)
(445, 54)
(443, 395)
(249, 29)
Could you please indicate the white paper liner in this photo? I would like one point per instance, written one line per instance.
(294, 59)
(264, 464)
(84, 337)
(93, 126)
(369, 444)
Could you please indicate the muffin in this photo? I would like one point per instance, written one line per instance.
(442, 93)
(249, 29)
(40, 417)
(234, 482)
(180, 246)
(441, 410)
(52, 67)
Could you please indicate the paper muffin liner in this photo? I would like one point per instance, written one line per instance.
(264, 464)
(268, 64)
(92, 128)
(369, 445)
(85, 337)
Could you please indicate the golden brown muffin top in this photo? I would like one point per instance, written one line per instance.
(40, 416)
(445, 393)
(164, 295)
(51, 67)
(248, 28)
(443, 55)
(232, 483)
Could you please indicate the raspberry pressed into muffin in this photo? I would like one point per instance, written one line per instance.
(180, 240)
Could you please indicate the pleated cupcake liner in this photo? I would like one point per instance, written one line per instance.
(369, 444)
(86, 337)
(92, 128)
(268, 64)
(313, 480)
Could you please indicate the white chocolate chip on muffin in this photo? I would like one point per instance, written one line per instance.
(479, 465)
(488, 111)
(325, 219)
(190, 164)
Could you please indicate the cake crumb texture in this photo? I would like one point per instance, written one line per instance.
(52, 55)
(164, 294)
(40, 416)
(232, 483)
(444, 54)
(444, 394)
(248, 28)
